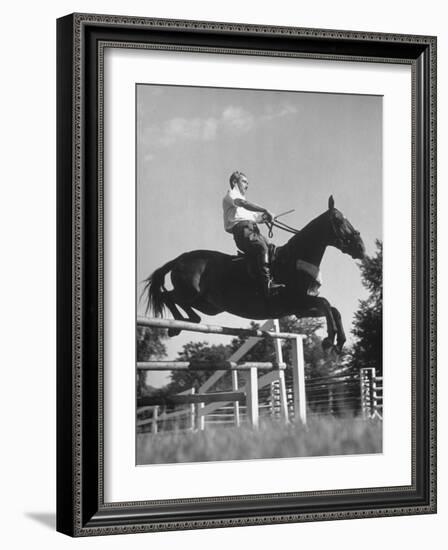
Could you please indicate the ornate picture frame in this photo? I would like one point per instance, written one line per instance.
(81, 506)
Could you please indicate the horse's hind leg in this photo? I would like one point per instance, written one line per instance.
(192, 315)
(171, 305)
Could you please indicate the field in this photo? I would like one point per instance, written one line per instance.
(322, 436)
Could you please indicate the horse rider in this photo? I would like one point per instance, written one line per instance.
(240, 219)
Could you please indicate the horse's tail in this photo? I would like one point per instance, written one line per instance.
(154, 288)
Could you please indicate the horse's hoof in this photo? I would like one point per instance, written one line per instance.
(339, 348)
(173, 332)
(331, 351)
(327, 344)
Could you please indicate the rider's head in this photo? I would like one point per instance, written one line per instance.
(239, 179)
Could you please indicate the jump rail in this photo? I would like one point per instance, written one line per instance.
(220, 397)
(213, 329)
(208, 365)
(251, 388)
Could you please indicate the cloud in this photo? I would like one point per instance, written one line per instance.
(235, 118)
(279, 112)
(196, 129)
(232, 120)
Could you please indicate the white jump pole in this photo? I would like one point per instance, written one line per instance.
(192, 412)
(155, 416)
(252, 397)
(236, 357)
(281, 376)
(298, 377)
(201, 417)
(236, 405)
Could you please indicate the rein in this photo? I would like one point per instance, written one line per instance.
(279, 225)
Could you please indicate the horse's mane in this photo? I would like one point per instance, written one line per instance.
(302, 236)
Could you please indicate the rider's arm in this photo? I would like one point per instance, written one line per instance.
(252, 207)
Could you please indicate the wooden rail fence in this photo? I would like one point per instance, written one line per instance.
(206, 403)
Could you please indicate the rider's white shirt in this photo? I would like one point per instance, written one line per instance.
(234, 214)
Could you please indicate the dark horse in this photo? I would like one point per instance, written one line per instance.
(212, 282)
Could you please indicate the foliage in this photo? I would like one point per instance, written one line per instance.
(150, 346)
(368, 323)
(319, 366)
(199, 351)
(264, 350)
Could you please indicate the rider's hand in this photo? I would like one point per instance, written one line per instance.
(267, 216)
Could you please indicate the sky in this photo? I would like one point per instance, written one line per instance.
(296, 148)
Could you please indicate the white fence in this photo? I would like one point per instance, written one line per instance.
(263, 392)
(242, 398)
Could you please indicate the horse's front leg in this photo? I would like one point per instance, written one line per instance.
(340, 341)
(322, 305)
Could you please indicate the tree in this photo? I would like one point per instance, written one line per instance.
(320, 366)
(150, 346)
(263, 351)
(368, 323)
(199, 351)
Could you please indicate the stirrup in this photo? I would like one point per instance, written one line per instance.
(273, 289)
(273, 285)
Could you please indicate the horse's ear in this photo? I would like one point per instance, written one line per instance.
(331, 203)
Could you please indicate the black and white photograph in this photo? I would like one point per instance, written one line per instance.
(259, 271)
(246, 223)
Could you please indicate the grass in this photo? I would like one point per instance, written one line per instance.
(323, 436)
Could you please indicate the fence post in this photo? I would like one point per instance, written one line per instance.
(192, 412)
(298, 377)
(201, 417)
(330, 400)
(366, 377)
(236, 405)
(252, 397)
(362, 376)
(283, 399)
(155, 416)
(374, 394)
(281, 375)
(375, 397)
(275, 399)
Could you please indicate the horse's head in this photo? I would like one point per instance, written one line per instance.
(343, 235)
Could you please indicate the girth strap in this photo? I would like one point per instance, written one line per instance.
(311, 269)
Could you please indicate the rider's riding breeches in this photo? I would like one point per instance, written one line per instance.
(250, 241)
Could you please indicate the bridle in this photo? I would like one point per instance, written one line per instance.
(280, 225)
(343, 235)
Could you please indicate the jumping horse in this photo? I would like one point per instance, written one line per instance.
(212, 282)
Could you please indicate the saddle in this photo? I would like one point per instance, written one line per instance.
(311, 270)
(251, 265)
(272, 249)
